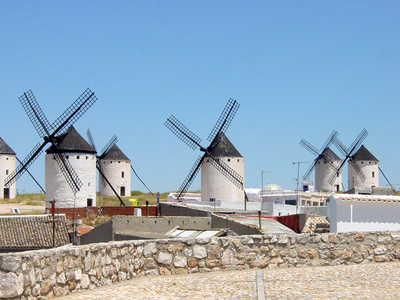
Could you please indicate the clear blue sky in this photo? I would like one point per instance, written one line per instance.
(299, 69)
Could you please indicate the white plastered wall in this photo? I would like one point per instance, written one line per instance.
(57, 187)
(367, 214)
(371, 171)
(113, 170)
(216, 185)
(323, 173)
(7, 166)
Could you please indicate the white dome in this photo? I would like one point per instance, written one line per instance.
(272, 187)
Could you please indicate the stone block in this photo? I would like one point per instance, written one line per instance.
(11, 285)
(212, 263)
(149, 249)
(192, 262)
(10, 263)
(175, 247)
(199, 251)
(180, 262)
(164, 258)
(179, 271)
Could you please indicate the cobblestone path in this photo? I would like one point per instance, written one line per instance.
(365, 281)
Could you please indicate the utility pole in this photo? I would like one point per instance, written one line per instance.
(297, 180)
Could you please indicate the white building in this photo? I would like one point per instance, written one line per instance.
(82, 158)
(367, 165)
(349, 212)
(7, 165)
(116, 167)
(214, 184)
(325, 169)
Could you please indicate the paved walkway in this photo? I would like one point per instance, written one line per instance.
(366, 281)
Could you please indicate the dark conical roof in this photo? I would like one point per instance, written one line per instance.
(224, 148)
(5, 149)
(329, 155)
(363, 154)
(71, 141)
(114, 153)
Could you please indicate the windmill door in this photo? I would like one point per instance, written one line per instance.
(122, 191)
(6, 193)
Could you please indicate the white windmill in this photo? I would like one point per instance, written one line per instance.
(222, 165)
(73, 192)
(363, 169)
(82, 158)
(7, 165)
(325, 164)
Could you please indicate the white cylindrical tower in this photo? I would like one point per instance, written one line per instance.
(7, 165)
(214, 184)
(368, 164)
(82, 158)
(325, 170)
(116, 167)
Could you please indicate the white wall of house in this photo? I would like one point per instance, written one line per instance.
(7, 165)
(216, 185)
(57, 187)
(371, 171)
(118, 172)
(347, 213)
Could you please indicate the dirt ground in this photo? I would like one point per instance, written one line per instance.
(7, 208)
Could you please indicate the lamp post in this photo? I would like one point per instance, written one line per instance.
(297, 180)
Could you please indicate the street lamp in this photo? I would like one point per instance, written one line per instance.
(297, 180)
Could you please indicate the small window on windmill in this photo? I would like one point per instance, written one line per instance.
(87, 157)
(67, 156)
(238, 160)
(7, 158)
(77, 157)
(6, 172)
(373, 174)
(122, 174)
(54, 157)
(119, 162)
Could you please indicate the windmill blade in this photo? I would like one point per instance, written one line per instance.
(358, 169)
(309, 147)
(329, 140)
(111, 186)
(224, 120)
(35, 114)
(334, 176)
(69, 173)
(34, 179)
(21, 169)
(141, 179)
(385, 177)
(190, 177)
(74, 112)
(226, 170)
(110, 143)
(182, 132)
(342, 148)
(90, 138)
(98, 166)
(358, 141)
(310, 169)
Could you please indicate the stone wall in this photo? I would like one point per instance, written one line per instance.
(61, 271)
